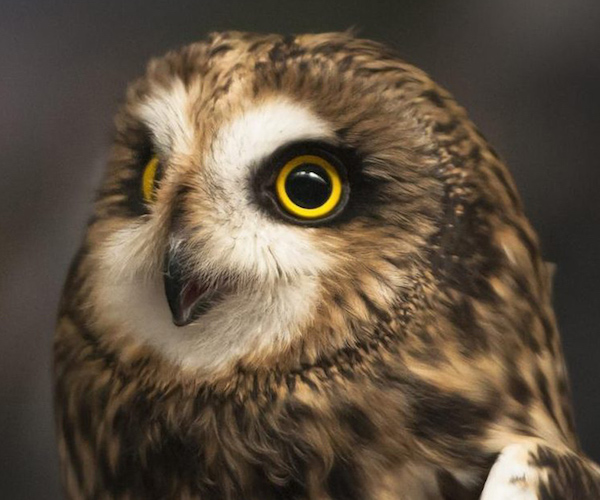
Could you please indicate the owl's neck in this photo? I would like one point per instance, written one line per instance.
(170, 434)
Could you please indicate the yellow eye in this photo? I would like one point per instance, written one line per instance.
(309, 187)
(149, 179)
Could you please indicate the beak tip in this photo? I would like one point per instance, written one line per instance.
(180, 320)
(173, 284)
(187, 299)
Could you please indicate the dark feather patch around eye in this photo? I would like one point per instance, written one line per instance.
(363, 189)
(129, 199)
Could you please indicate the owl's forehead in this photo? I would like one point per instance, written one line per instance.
(237, 132)
(269, 86)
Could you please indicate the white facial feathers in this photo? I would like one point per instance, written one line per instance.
(281, 263)
(256, 134)
(245, 239)
(168, 115)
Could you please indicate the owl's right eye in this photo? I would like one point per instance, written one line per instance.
(150, 179)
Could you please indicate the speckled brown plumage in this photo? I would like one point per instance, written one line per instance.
(433, 344)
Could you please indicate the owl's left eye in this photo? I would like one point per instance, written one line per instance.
(310, 187)
(150, 179)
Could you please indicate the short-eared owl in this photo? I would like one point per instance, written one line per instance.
(308, 276)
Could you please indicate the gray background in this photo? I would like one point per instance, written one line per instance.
(527, 70)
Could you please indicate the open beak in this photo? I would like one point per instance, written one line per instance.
(188, 297)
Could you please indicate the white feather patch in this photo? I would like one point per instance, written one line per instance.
(167, 113)
(511, 478)
(259, 321)
(244, 239)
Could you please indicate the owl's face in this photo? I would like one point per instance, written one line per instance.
(268, 201)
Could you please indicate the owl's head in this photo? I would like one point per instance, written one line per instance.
(274, 200)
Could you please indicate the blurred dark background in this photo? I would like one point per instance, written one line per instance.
(528, 72)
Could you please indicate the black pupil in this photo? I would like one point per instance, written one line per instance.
(308, 186)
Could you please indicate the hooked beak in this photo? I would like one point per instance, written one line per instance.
(188, 297)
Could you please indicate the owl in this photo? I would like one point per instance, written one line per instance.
(308, 276)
